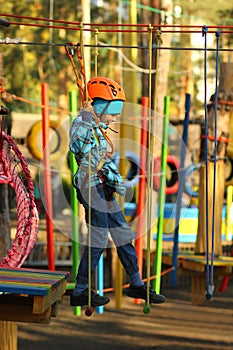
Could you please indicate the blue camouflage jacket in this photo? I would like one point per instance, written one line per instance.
(85, 137)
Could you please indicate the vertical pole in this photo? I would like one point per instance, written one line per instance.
(142, 185)
(180, 189)
(229, 213)
(134, 55)
(74, 202)
(8, 335)
(100, 266)
(47, 175)
(158, 257)
(86, 18)
(100, 281)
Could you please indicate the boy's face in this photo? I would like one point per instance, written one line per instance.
(109, 118)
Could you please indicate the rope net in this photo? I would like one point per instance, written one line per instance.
(14, 172)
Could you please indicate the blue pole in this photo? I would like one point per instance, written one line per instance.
(100, 281)
(180, 189)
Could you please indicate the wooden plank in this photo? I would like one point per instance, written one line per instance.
(167, 259)
(22, 288)
(202, 259)
(54, 310)
(42, 303)
(27, 274)
(19, 309)
(192, 265)
(28, 280)
(17, 281)
(33, 271)
(23, 313)
(197, 263)
(32, 296)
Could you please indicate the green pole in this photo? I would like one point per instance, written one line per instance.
(74, 202)
(162, 197)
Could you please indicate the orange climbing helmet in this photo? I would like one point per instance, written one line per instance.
(105, 88)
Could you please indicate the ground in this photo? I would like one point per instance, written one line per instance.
(174, 325)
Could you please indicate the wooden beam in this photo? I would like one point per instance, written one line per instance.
(42, 303)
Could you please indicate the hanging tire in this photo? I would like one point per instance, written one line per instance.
(229, 172)
(33, 141)
(187, 184)
(172, 183)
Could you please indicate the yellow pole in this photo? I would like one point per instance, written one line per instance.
(134, 54)
(119, 268)
(229, 223)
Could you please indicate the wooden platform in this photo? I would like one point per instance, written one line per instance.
(30, 295)
(196, 266)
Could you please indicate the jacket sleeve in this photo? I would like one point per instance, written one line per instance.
(81, 135)
(113, 177)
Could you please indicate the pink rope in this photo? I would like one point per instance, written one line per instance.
(14, 171)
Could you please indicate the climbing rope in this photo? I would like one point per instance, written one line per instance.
(14, 172)
(81, 83)
(149, 174)
(204, 34)
(150, 161)
(71, 49)
(210, 288)
(210, 250)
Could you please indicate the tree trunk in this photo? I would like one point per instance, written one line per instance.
(223, 126)
(8, 335)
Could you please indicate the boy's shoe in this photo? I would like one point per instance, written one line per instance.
(141, 293)
(82, 299)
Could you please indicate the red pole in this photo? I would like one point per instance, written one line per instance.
(47, 176)
(142, 185)
(225, 280)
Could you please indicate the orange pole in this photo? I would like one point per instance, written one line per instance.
(142, 185)
(47, 176)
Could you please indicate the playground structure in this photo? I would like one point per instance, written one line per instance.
(30, 295)
(187, 262)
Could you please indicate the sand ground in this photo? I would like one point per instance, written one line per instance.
(174, 325)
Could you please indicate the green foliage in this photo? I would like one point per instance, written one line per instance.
(207, 10)
(27, 66)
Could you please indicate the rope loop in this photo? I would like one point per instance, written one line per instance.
(71, 49)
(204, 30)
(159, 37)
(217, 33)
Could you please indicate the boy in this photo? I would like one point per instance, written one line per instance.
(90, 144)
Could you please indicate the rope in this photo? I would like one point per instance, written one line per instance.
(129, 25)
(14, 171)
(70, 52)
(36, 104)
(81, 81)
(215, 163)
(126, 59)
(150, 173)
(96, 52)
(89, 229)
(8, 41)
(151, 278)
(204, 34)
(84, 97)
